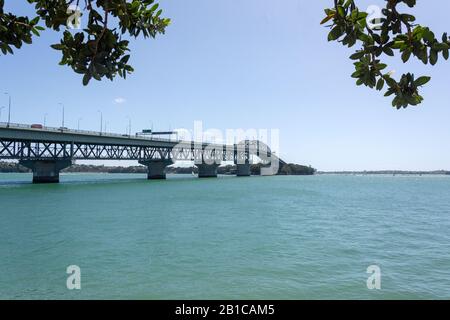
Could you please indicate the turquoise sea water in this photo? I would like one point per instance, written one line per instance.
(284, 237)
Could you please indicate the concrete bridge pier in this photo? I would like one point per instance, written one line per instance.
(243, 170)
(46, 171)
(207, 170)
(156, 168)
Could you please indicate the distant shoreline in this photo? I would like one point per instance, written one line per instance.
(255, 169)
(288, 169)
(387, 172)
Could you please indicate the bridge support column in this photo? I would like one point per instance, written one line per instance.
(243, 170)
(46, 171)
(156, 168)
(207, 170)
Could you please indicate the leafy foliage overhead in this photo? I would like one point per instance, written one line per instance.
(97, 50)
(396, 34)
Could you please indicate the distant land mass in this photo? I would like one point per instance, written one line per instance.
(287, 169)
(388, 172)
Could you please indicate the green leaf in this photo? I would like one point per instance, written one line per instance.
(358, 55)
(380, 84)
(155, 6)
(86, 79)
(335, 33)
(405, 55)
(388, 51)
(58, 46)
(328, 18)
(422, 81)
(389, 92)
(391, 82)
(34, 21)
(433, 57)
(428, 35)
(35, 32)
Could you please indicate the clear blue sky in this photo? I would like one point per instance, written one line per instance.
(248, 64)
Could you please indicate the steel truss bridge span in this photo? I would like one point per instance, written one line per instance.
(48, 150)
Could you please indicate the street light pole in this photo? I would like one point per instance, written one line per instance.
(79, 119)
(129, 126)
(101, 121)
(9, 109)
(62, 114)
(45, 119)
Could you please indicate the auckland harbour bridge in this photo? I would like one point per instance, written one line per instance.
(46, 151)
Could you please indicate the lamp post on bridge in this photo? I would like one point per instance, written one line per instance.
(129, 126)
(45, 119)
(9, 109)
(101, 121)
(78, 126)
(63, 111)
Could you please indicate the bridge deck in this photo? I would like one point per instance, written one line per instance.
(49, 134)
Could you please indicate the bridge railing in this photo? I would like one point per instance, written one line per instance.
(84, 132)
